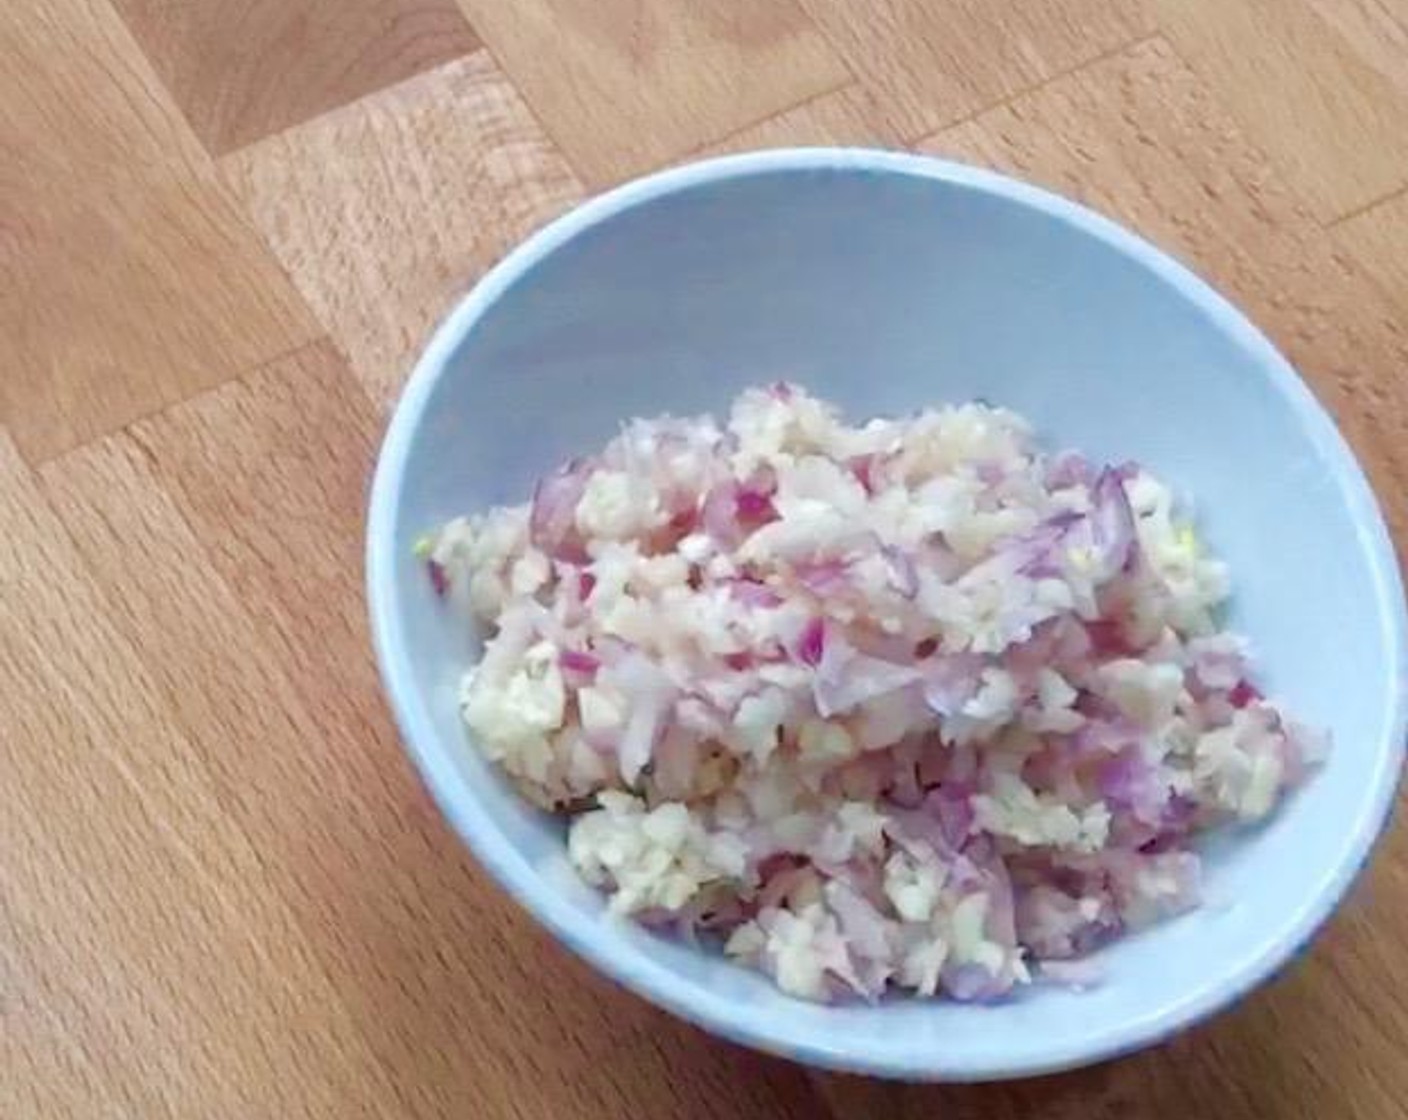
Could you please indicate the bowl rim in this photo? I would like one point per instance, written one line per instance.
(654, 981)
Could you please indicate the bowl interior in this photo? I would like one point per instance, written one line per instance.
(885, 285)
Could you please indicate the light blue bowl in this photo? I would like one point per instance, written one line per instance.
(886, 282)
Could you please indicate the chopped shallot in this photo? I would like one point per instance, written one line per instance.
(909, 705)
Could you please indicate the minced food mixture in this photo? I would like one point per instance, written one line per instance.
(906, 705)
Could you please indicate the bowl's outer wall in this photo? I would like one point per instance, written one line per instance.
(886, 291)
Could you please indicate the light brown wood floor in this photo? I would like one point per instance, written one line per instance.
(225, 228)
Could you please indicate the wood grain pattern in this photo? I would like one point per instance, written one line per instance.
(80, 99)
(386, 210)
(329, 796)
(849, 115)
(45, 1071)
(1139, 137)
(130, 277)
(625, 84)
(933, 62)
(225, 232)
(1375, 30)
(121, 301)
(1329, 117)
(241, 70)
(131, 904)
(1378, 237)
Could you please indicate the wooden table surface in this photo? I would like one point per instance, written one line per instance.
(225, 229)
